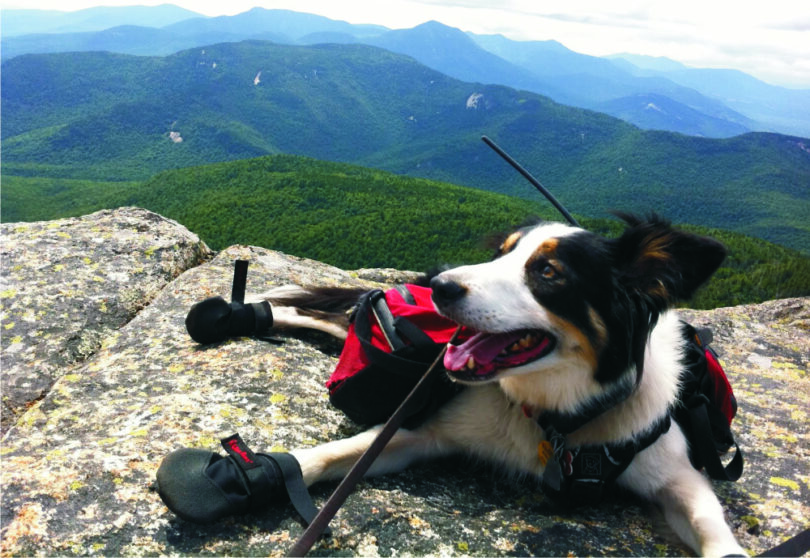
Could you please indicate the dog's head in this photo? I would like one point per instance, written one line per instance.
(560, 299)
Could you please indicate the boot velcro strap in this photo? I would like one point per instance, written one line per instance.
(259, 477)
(294, 483)
(266, 474)
(263, 313)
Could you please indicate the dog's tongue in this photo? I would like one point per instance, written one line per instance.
(483, 347)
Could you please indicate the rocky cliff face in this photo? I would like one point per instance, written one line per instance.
(67, 285)
(101, 381)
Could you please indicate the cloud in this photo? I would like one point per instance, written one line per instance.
(600, 20)
(802, 25)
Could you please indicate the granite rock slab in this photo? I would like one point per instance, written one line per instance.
(66, 285)
(78, 465)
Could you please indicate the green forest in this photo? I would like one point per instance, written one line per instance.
(353, 217)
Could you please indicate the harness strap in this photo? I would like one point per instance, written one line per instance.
(703, 448)
(405, 293)
(386, 320)
(393, 328)
(566, 423)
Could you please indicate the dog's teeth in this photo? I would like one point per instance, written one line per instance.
(471, 363)
(515, 348)
(526, 342)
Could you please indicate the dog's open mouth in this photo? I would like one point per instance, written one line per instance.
(480, 357)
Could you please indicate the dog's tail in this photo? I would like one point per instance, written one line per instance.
(320, 299)
(324, 308)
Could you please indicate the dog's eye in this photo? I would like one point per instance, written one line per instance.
(549, 272)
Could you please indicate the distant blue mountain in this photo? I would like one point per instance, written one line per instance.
(454, 53)
(601, 84)
(124, 39)
(258, 21)
(635, 62)
(784, 110)
(713, 103)
(547, 58)
(24, 22)
(658, 112)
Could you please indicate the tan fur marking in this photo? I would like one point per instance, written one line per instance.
(599, 327)
(511, 241)
(550, 246)
(580, 345)
(656, 248)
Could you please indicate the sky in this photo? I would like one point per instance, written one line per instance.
(769, 40)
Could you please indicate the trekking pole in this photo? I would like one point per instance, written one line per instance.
(530, 178)
(332, 505)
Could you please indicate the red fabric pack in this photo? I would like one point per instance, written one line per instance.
(393, 338)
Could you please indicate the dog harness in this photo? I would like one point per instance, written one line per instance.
(705, 408)
(582, 475)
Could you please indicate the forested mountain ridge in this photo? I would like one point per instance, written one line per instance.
(104, 116)
(355, 217)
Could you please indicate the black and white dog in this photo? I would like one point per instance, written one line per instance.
(563, 316)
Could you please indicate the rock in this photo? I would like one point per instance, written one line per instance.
(78, 466)
(67, 285)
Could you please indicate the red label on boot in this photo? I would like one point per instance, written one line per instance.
(237, 449)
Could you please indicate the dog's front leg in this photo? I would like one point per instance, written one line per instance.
(663, 474)
(692, 509)
(333, 460)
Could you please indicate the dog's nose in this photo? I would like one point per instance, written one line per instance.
(446, 290)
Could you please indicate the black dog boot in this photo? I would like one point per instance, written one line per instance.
(214, 320)
(202, 487)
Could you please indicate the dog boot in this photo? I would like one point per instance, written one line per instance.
(213, 320)
(202, 487)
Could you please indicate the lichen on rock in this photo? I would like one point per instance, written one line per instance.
(66, 285)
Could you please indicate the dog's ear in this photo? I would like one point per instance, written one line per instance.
(664, 264)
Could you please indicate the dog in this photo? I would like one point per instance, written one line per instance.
(564, 319)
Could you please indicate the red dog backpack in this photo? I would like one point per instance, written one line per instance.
(394, 336)
(706, 409)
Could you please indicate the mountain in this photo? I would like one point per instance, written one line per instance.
(544, 67)
(659, 112)
(24, 22)
(129, 117)
(600, 84)
(779, 108)
(353, 217)
(452, 52)
(257, 21)
(174, 34)
(634, 62)
(125, 39)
